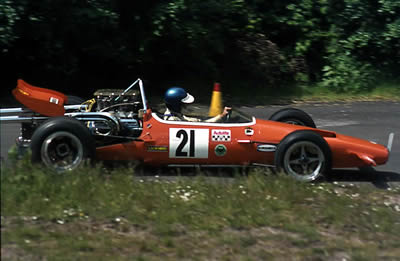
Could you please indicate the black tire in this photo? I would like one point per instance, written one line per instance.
(304, 155)
(293, 116)
(62, 144)
(74, 100)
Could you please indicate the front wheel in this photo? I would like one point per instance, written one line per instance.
(62, 144)
(304, 155)
(293, 116)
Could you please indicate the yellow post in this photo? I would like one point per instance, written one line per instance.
(216, 101)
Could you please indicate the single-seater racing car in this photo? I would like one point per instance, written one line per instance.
(119, 125)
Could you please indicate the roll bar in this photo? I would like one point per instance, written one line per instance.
(142, 94)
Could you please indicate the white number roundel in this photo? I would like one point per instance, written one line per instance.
(188, 143)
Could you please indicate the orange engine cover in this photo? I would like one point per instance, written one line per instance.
(40, 100)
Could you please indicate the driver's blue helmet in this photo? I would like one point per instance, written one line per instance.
(175, 97)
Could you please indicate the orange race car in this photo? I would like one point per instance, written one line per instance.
(119, 125)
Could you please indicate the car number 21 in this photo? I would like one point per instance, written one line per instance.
(188, 143)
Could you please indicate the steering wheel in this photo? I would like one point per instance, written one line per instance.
(228, 116)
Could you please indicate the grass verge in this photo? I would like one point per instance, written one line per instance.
(93, 214)
(387, 91)
(307, 93)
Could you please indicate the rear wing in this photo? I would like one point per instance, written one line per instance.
(44, 101)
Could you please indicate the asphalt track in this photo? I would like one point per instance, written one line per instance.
(372, 121)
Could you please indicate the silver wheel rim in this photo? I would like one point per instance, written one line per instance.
(304, 161)
(62, 151)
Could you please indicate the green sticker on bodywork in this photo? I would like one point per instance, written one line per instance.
(220, 150)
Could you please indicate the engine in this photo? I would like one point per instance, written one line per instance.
(106, 98)
(124, 106)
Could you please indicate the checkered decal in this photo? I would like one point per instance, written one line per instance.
(221, 138)
(221, 135)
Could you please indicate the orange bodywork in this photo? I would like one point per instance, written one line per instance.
(44, 101)
(169, 143)
(198, 143)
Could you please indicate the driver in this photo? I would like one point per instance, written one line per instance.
(175, 98)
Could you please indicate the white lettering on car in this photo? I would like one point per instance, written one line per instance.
(221, 135)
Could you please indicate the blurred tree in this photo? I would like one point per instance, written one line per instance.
(80, 46)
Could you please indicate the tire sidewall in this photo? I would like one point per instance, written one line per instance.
(74, 100)
(304, 135)
(293, 114)
(66, 124)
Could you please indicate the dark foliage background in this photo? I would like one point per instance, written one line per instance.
(77, 46)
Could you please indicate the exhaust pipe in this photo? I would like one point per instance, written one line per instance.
(22, 115)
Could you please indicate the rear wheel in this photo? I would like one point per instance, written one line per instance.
(293, 116)
(62, 144)
(304, 155)
(74, 100)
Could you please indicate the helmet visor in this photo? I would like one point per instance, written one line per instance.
(188, 99)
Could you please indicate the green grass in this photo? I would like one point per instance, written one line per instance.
(243, 93)
(95, 214)
(259, 95)
(386, 91)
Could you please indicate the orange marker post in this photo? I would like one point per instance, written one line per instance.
(216, 101)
